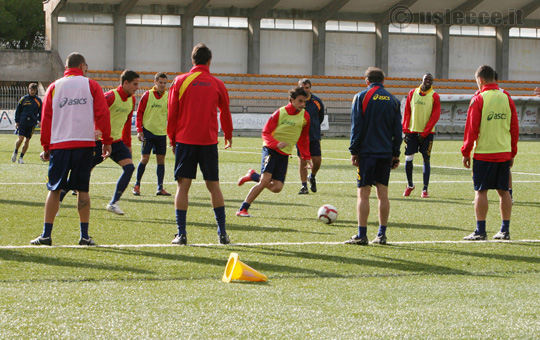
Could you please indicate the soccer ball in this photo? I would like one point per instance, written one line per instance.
(327, 214)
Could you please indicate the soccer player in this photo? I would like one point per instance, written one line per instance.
(192, 127)
(121, 103)
(289, 125)
(492, 129)
(422, 112)
(315, 108)
(375, 142)
(27, 115)
(152, 131)
(73, 105)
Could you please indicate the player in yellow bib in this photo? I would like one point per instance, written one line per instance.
(152, 131)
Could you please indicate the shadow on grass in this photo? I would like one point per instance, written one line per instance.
(26, 203)
(19, 256)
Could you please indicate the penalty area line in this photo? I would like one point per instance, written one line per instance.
(260, 244)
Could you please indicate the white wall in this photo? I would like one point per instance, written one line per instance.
(229, 48)
(411, 55)
(524, 61)
(349, 54)
(468, 53)
(94, 42)
(286, 52)
(155, 49)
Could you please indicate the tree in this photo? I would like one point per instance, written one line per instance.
(22, 24)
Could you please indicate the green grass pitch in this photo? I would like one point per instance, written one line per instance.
(425, 284)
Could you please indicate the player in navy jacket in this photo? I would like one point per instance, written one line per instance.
(27, 116)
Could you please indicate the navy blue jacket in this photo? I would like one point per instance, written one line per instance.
(315, 108)
(28, 112)
(377, 131)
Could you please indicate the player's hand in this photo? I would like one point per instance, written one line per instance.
(228, 143)
(173, 149)
(309, 164)
(354, 160)
(467, 162)
(395, 162)
(16, 125)
(140, 136)
(511, 162)
(282, 145)
(406, 138)
(106, 151)
(421, 138)
(45, 156)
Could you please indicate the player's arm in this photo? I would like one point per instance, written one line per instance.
(397, 138)
(472, 125)
(435, 115)
(514, 126)
(407, 113)
(172, 112)
(225, 116)
(303, 141)
(46, 119)
(321, 113)
(140, 114)
(357, 120)
(102, 115)
(126, 131)
(268, 129)
(18, 111)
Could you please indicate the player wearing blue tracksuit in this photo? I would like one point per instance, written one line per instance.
(27, 115)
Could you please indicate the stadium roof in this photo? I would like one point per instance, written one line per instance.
(451, 12)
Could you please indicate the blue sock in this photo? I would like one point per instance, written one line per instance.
(47, 229)
(181, 221)
(304, 184)
(408, 172)
(480, 227)
(123, 182)
(245, 206)
(160, 171)
(219, 212)
(362, 231)
(140, 172)
(427, 172)
(22, 155)
(84, 230)
(505, 227)
(382, 230)
(255, 177)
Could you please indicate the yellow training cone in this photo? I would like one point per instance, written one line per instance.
(237, 270)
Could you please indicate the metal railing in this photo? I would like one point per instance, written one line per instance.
(10, 96)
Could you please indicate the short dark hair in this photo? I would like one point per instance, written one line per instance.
(129, 76)
(496, 76)
(305, 81)
(74, 60)
(160, 75)
(374, 75)
(297, 91)
(486, 72)
(201, 54)
(32, 86)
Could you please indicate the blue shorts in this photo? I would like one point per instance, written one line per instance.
(413, 145)
(158, 144)
(69, 169)
(314, 148)
(119, 152)
(275, 163)
(372, 170)
(490, 175)
(188, 156)
(26, 131)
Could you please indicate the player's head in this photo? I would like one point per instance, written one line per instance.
(374, 75)
(32, 89)
(496, 76)
(298, 97)
(485, 74)
(306, 84)
(76, 60)
(201, 55)
(130, 82)
(160, 80)
(427, 82)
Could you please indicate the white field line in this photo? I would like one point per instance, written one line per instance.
(260, 244)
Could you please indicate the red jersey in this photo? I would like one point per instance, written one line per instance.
(192, 117)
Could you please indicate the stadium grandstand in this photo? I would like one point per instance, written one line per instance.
(262, 47)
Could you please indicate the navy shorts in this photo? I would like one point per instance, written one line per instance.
(69, 169)
(188, 156)
(314, 148)
(275, 163)
(413, 145)
(372, 170)
(490, 175)
(26, 131)
(158, 144)
(119, 152)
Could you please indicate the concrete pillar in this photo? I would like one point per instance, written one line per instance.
(119, 54)
(442, 54)
(186, 45)
(381, 46)
(254, 46)
(319, 47)
(51, 9)
(502, 63)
